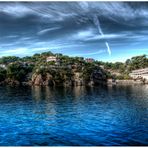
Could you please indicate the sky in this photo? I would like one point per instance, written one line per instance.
(106, 31)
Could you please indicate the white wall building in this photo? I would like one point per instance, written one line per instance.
(3, 66)
(51, 58)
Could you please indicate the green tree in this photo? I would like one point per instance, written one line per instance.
(16, 71)
(2, 74)
(8, 59)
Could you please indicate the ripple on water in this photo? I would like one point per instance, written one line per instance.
(96, 116)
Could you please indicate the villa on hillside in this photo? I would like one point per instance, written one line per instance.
(89, 60)
(53, 59)
(3, 66)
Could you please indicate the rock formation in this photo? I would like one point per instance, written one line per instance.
(46, 80)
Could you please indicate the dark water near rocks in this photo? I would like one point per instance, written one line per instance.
(76, 116)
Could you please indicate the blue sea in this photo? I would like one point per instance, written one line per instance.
(74, 116)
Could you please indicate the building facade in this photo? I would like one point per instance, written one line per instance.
(51, 59)
(89, 60)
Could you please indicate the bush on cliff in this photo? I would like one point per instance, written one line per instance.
(2, 74)
(16, 71)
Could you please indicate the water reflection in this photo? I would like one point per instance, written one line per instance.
(44, 107)
(37, 94)
(114, 115)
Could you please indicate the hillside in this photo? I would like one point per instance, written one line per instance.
(57, 69)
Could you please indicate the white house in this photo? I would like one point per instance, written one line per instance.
(51, 58)
(3, 66)
(89, 60)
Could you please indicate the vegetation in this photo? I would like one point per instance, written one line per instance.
(9, 59)
(17, 71)
(19, 68)
(2, 74)
(123, 69)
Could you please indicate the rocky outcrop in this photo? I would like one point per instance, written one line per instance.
(37, 79)
(59, 79)
(11, 82)
(98, 77)
(42, 80)
(49, 80)
(68, 83)
(77, 79)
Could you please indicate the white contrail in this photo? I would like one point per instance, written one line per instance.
(108, 48)
(97, 23)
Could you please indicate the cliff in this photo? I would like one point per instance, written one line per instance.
(42, 80)
(76, 79)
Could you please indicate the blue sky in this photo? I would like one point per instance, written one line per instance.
(107, 31)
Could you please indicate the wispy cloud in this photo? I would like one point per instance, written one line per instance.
(89, 54)
(61, 11)
(15, 9)
(16, 51)
(12, 36)
(106, 36)
(92, 35)
(48, 30)
(68, 27)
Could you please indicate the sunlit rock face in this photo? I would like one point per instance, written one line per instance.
(38, 79)
(78, 79)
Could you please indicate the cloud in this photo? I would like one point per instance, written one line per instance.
(53, 46)
(79, 11)
(16, 51)
(83, 34)
(92, 35)
(89, 54)
(71, 26)
(48, 30)
(12, 36)
(15, 9)
(105, 36)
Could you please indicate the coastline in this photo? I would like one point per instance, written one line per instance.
(126, 82)
(90, 84)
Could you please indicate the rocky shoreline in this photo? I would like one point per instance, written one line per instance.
(126, 82)
(48, 79)
(39, 81)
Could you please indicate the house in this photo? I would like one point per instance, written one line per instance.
(54, 59)
(51, 59)
(89, 60)
(3, 66)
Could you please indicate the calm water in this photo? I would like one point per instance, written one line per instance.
(82, 116)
